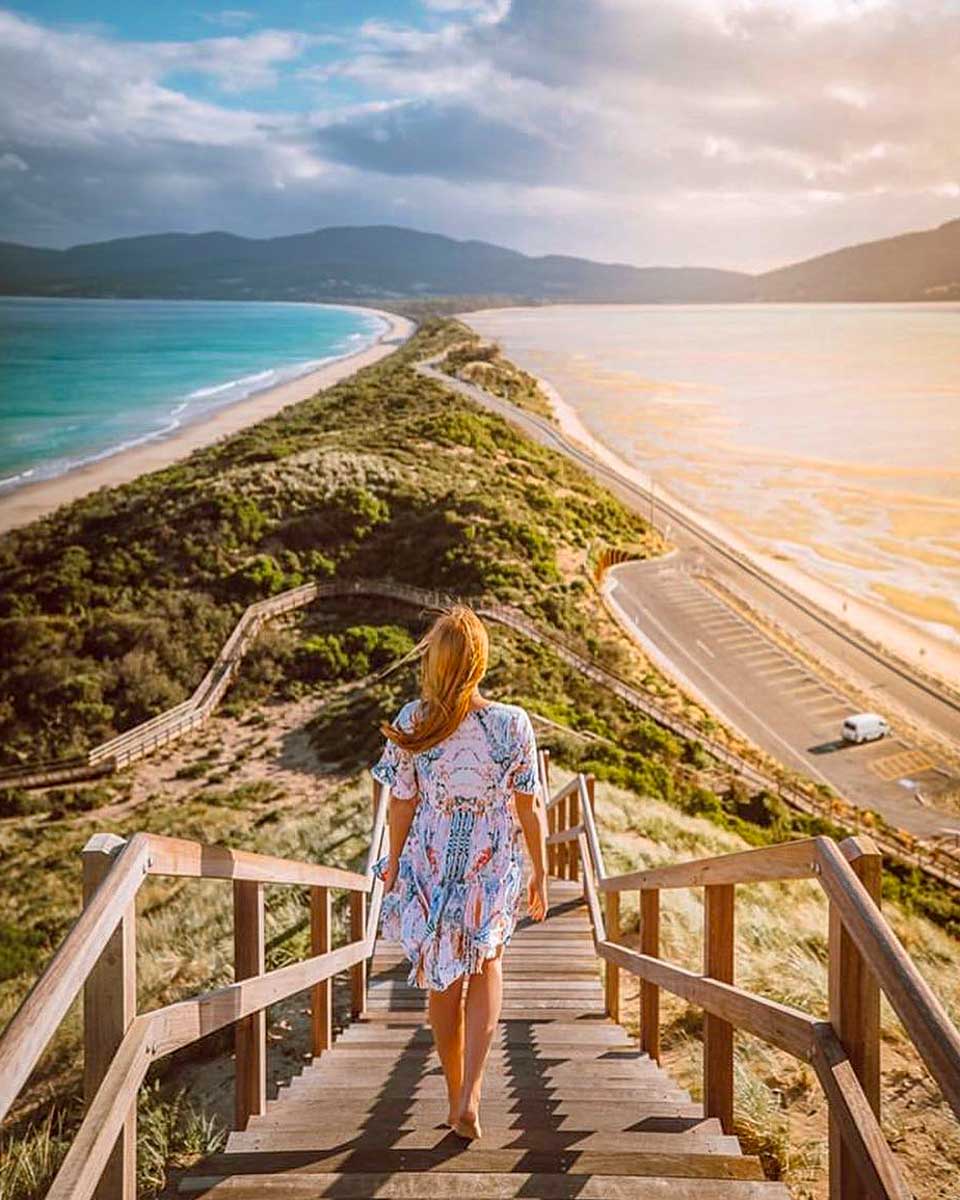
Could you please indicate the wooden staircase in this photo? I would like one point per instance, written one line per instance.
(571, 1108)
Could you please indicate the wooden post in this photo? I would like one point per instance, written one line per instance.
(552, 856)
(551, 815)
(358, 972)
(611, 970)
(250, 1033)
(321, 1005)
(563, 850)
(649, 992)
(545, 781)
(109, 1008)
(717, 1033)
(573, 857)
(855, 1017)
(591, 781)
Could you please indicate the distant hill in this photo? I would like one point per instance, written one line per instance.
(912, 266)
(376, 262)
(379, 263)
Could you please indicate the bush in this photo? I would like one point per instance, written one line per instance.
(262, 576)
(353, 653)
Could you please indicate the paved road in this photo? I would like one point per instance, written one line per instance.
(772, 698)
(777, 702)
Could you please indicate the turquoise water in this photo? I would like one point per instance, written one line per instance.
(81, 379)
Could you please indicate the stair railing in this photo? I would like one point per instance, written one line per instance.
(865, 958)
(99, 957)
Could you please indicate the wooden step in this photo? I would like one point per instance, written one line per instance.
(345, 1065)
(513, 1033)
(429, 1185)
(546, 985)
(407, 1017)
(523, 1113)
(459, 1157)
(387, 1125)
(494, 1091)
(704, 1137)
(521, 1010)
(550, 1083)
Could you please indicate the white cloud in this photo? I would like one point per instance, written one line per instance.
(732, 132)
(230, 18)
(12, 162)
(487, 11)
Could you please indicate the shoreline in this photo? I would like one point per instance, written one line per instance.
(888, 630)
(31, 501)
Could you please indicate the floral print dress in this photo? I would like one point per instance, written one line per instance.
(461, 870)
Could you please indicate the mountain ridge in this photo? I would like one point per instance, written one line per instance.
(380, 263)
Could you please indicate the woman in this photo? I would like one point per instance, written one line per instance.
(462, 773)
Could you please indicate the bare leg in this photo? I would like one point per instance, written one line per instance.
(446, 1021)
(484, 1000)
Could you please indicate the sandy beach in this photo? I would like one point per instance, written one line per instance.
(35, 500)
(882, 627)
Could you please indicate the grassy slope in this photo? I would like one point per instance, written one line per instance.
(113, 605)
(116, 604)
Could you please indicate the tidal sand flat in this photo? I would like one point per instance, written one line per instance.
(96, 393)
(824, 437)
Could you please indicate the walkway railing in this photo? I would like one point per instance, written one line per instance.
(939, 861)
(99, 957)
(865, 958)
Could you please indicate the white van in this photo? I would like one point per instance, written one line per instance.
(864, 727)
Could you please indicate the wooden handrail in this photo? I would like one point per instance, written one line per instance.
(788, 860)
(92, 1146)
(914, 1001)
(862, 947)
(782, 1026)
(187, 1021)
(152, 1035)
(176, 856)
(562, 793)
(879, 1173)
(167, 1029)
(585, 787)
(568, 835)
(46, 1004)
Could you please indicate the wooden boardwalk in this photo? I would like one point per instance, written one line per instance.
(570, 1108)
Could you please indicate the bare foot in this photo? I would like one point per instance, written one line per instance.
(468, 1126)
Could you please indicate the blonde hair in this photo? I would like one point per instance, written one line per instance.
(455, 653)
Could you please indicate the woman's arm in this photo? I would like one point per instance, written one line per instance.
(399, 818)
(533, 822)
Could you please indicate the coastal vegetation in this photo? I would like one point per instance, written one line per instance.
(476, 361)
(114, 606)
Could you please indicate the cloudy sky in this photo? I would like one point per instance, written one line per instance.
(738, 133)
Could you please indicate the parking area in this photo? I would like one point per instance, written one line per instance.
(773, 698)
